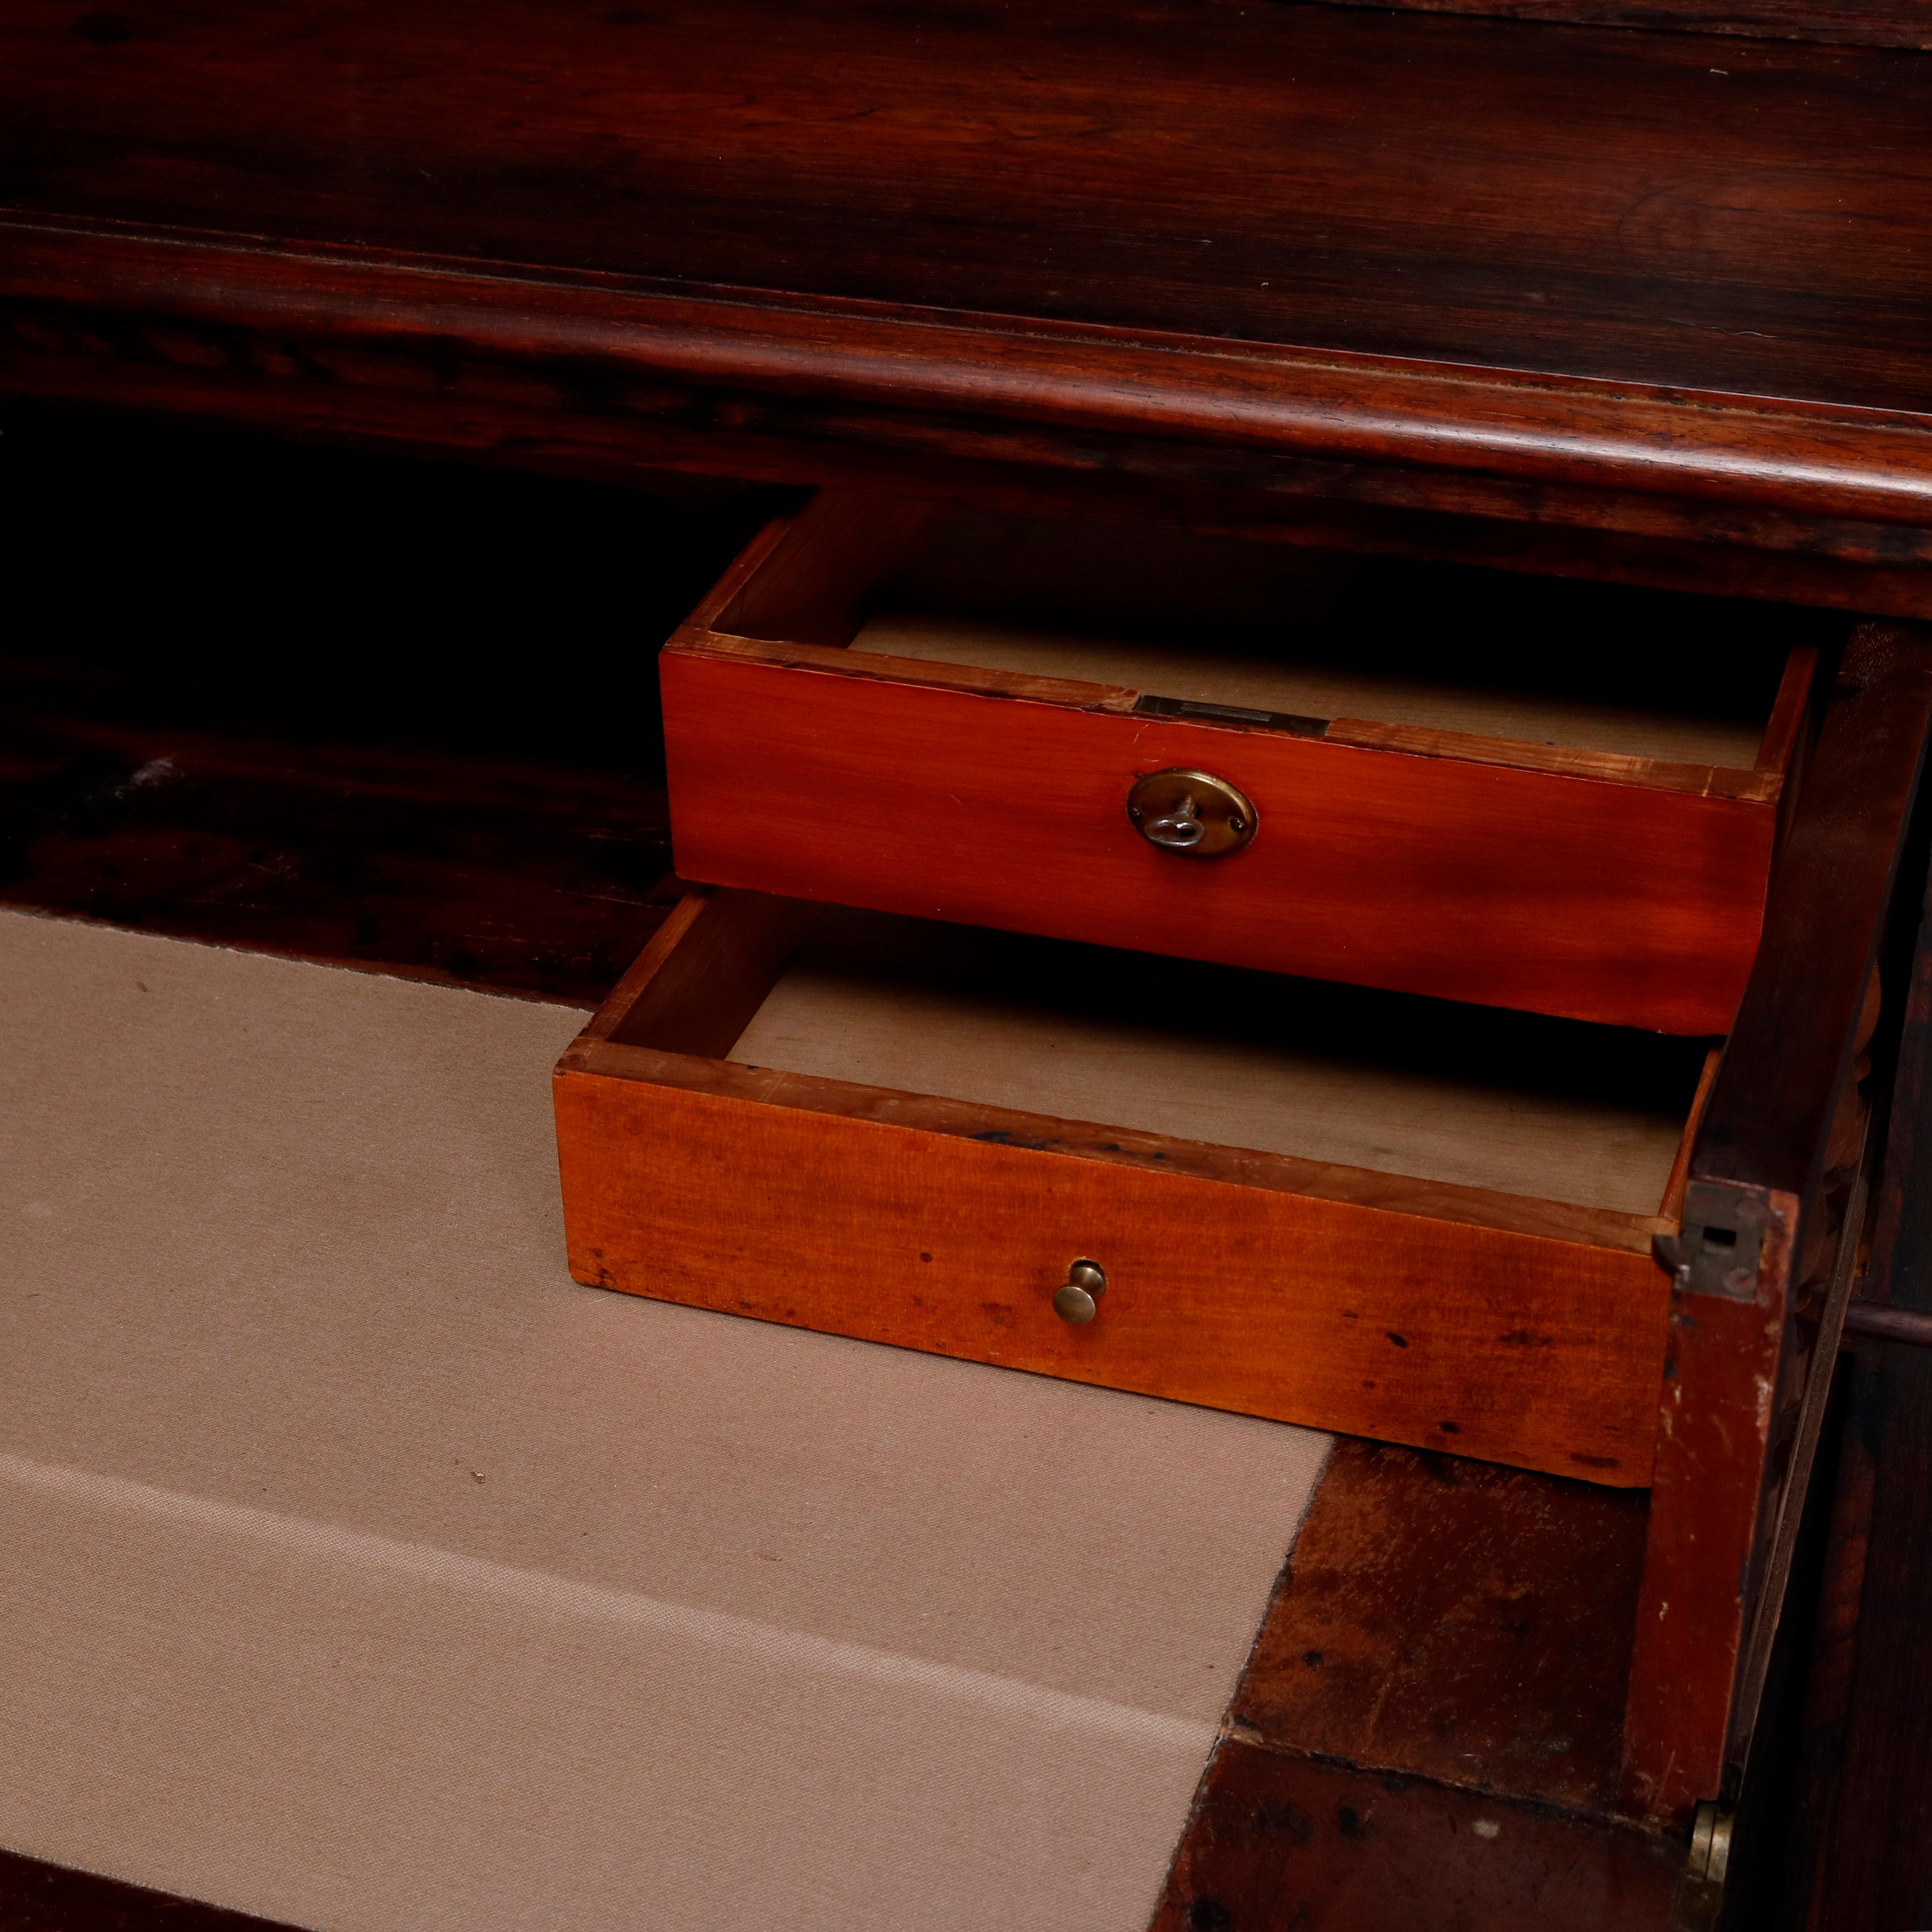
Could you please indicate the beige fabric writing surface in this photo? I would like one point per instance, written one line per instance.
(364, 1572)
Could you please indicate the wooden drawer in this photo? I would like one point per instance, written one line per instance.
(1359, 1211)
(941, 711)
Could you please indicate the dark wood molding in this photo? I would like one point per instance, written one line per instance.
(1415, 264)
(1888, 23)
(557, 343)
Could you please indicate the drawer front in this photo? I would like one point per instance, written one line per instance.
(1629, 904)
(1522, 1348)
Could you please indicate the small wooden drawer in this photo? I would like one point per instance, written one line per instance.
(1364, 1211)
(1558, 797)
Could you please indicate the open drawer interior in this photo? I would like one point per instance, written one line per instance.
(1393, 1215)
(1347, 644)
(1513, 1103)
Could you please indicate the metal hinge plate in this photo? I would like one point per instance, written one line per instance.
(1719, 1245)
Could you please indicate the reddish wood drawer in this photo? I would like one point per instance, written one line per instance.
(1560, 798)
(1363, 1211)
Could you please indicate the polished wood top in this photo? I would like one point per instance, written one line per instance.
(1305, 228)
(1752, 217)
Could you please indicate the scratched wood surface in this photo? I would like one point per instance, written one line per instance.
(1519, 1330)
(1767, 1126)
(1282, 1840)
(1447, 1641)
(1448, 1619)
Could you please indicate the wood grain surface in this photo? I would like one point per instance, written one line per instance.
(222, 336)
(1305, 232)
(1524, 1332)
(1280, 1841)
(1890, 23)
(1454, 1621)
(1272, 175)
(1789, 1057)
(1767, 1127)
(1559, 893)
(1868, 1772)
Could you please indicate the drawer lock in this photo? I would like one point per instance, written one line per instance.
(1076, 1301)
(1192, 813)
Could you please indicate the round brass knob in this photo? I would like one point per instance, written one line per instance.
(1192, 813)
(1076, 1300)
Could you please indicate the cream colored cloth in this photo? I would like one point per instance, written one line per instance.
(363, 1571)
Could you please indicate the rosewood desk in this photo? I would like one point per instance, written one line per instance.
(1637, 296)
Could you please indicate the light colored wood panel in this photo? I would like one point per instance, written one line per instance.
(1761, 786)
(706, 972)
(1555, 893)
(811, 575)
(1787, 722)
(1015, 1022)
(1500, 1345)
(1215, 662)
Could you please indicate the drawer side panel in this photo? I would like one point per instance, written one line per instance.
(1509, 1347)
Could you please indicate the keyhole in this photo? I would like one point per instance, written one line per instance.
(1182, 827)
(1192, 814)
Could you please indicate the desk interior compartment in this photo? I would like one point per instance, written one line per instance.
(1557, 796)
(1382, 1213)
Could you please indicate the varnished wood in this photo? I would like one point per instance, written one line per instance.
(1415, 1311)
(1304, 235)
(1672, 1207)
(1587, 883)
(1867, 1772)
(1766, 1132)
(890, 156)
(1862, 23)
(704, 974)
(535, 338)
(1448, 1619)
(1281, 1840)
(1762, 786)
(405, 397)
(1789, 1058)
(1461, 879)
(1708, 1518)
(1796, 694)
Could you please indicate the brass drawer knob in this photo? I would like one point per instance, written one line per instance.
(1192, 813)
(1077, 1299)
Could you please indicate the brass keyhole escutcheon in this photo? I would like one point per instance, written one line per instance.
(1192, 813)
(1076, 1300)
